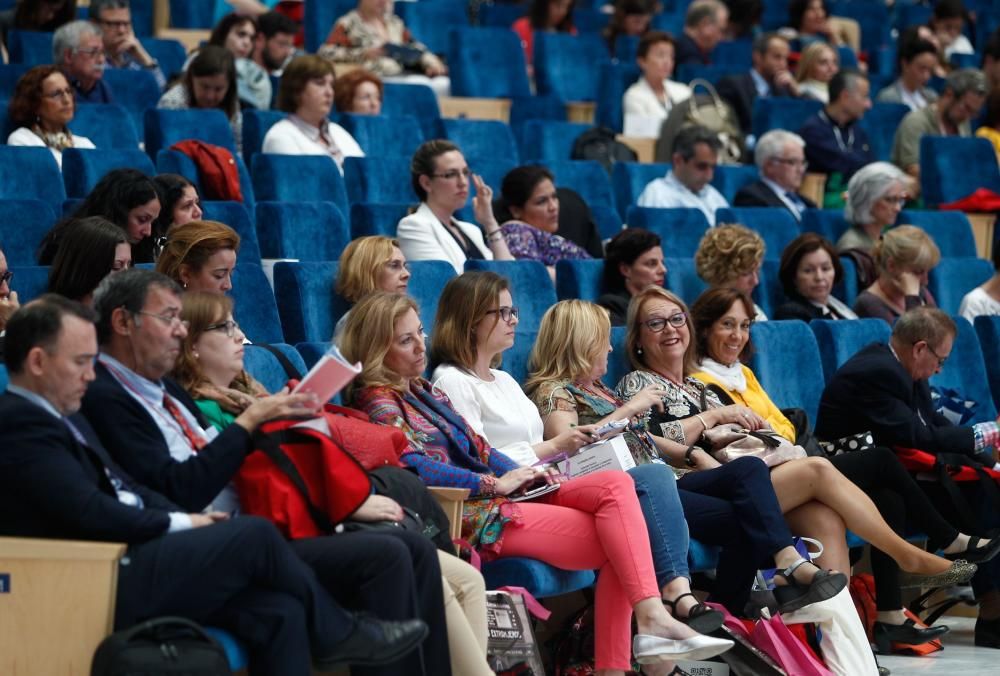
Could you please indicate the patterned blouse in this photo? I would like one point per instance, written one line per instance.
(681, 401)
(351, 37)
(445, 451)
(526, 242)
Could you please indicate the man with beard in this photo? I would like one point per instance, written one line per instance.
(274, 43)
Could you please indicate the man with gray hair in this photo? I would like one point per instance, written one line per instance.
(951, 115)
(704, 27)
(121, 47)
(78, 50)
(781, 160)
(687, 183)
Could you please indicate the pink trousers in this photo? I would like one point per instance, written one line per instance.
(594, 522)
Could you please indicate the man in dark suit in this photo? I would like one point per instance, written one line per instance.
(781, 160)
(883, 389)
(768, 76)
(154, 430)
(58, 482)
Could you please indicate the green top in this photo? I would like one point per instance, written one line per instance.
(214, 414)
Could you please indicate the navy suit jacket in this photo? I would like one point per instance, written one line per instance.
(136, 443)
(740, 92)
(759, 194)
(53, 486)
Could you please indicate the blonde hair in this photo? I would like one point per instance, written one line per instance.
(634, 327)
(192, 244)
(907, 245)
(465, 301)
(571, 335)
(726, 252)
(357, 271)
(810, 55)
(368, 335)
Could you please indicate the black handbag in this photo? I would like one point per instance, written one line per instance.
(165, 646)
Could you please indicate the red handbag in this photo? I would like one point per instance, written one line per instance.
(372, 445)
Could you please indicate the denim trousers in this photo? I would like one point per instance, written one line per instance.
(656, 487)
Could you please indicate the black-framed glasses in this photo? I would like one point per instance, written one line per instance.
(657, 324)
(170, 319)
(940, 360)
(91, 53)
(506, 313)
(59, 93)
(124, 25)
(229, 326)
(6, 277)
(452, 174)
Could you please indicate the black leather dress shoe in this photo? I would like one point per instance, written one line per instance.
(374, 642)
(988, 633)
(908, 632)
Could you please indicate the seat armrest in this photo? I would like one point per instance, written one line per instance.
(452, 501)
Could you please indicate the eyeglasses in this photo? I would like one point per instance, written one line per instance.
(115, 24)
(229, 326)
(791, 162)
(398, 266)
(452, 174)
(657, 324)
(731, 325)
(59, 93)
(91, 53)
(171, 319)
(5, 277)
(506, 313)
(940, 360)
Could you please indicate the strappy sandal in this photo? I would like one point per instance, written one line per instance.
(794, 595)
(700, 617)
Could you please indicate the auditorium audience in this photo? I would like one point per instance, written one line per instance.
(200, 256)
(92, 249)
(551, 16)
(122, 48)
(648, 102)
(441, 179)
(947, 21)
(990, 130)
(985, 298)
(274, 44)
(780, 158)
(358, 91)
(126, 197)
(768, 77)
(808, 271)
(44, 16)
(705, 26)
(41, 108)
(730, 256)
(875, 196)
(629, 19)
(306, 94)
(810, 19)
(903, 258)
(236, 34)
(916, 62)
(633, 261)
(384, 334)
(179, 204)
(209, 83)
(817, 66)
(694, 157)
(78, 50)
(369, 264)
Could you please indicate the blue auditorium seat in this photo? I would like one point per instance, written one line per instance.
(952, 168)
(955, 277)
(614, 77)
(30, 281)
(3, 378)
(696, 71)
(256, 124)
(630, 178)
(430, 22)
(108, 125)
(189, 14)
(10, 73)
(590, 20)
(586, 177)
(492, 169)
(501, 15)
(626, 49)
(839, 340)
(31, 173)
(266, 368)
(176, 162)
(379, 180)
(163, 128)
(618, 363)
(526, 108)
(680, 229)
(702, 557)
(142, 17)
(236, 216)
(581, 279)
(33, 48)
(488, 63)
(881, 123)
(426, 285)
(607, 220)
(988, 330)
(775, 224)
(728, 179)
(236, 654)
(781, 113)
(829, 223)
(950, 230)
(311, 352)
(530, 285)
(481, 139)
(733, 53)
(298, 178)
(964, 372)
(683, 279)
(515, 359)
(83, 168)
(384, 136)
(306, 303)
(787, 364)
(671, 22)
(566, 65)
(253, 304)
(376, 219)
(543, 140)
(847, 289)
(170, 54)
(319, 17)
(33, 219)
(308, 231)
(135, 90)
(417, 100)
(541, 579)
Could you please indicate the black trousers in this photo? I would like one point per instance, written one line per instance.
(242, 576)
(734, 507)
(903, 505)
(393, 574)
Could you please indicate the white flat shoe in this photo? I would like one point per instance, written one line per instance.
(649, 649)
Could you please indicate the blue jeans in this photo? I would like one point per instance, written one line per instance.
(656, 487)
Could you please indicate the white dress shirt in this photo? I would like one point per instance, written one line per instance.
(668, 192)
(293, 136)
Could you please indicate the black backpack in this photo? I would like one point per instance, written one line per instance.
(165, 646)
(600, 144)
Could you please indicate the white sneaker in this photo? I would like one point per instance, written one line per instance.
(649, 649)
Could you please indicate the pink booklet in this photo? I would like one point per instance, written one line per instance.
(328, 376)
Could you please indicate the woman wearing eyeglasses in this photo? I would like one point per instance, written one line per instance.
(368, 264)
(903, 258)
(875, 196)
(441, 179)
(41, 108)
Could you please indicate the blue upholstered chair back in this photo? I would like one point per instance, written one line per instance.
(26, 221)
(847, 288)
(543, 140)
(680, 229)
(256, 124)
(83, 168)
(787, 364)
(30, 281)
(829, 223)
(487, 62)
(839, 340)
(768, 294)
(683, 280)
(10, 73)
(236, 216)
(589, 20)
(952, 168)
(253, 304)
(988, 330)
(629, 179)
(950, 230)
(187, 14)
(163, 128)
(308, 231)
(607, 220)
(515, 359)
(298, 178)
(319, 17)
(501, 15)
(384, 136)
(3, 378)
(431, 22)
(137, 91)
(170, 54)
(964, 372)
(379, 180)
(567, 65)
(955, 277)
(614, 77)
(426, 285)
(31, 173)
(33, 48)
(311, 352)
(587, 177)
(775, 224)
(881, 123)
(618, 363)
(376, 219)
(781, 113)
(732, 53)
(481, 139)
(581, 279)
(176, 162)
(108, 125)
(305, 297)
(266, 368)
(728, 179)
(691, 71)
(417, 100)
(530, 285)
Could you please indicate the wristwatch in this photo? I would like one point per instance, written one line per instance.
(688, 460)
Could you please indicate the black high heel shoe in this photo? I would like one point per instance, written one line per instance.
(794, 595)
(886, 634)
(700, 617)
(973, 553)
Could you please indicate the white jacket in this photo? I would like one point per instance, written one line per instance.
(645, 112)
(422, 237)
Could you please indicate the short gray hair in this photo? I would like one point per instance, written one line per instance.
(773, 143)
(870, 183)
(127, 289)
(966, 80)
(98, 6)
(68, 37)
(699, 10)
(929, 324)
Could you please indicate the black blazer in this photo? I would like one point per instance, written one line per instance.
(759, 194)
(872, 391)
(740, 92)
(616, 303)
(53, 486)
(134, 440)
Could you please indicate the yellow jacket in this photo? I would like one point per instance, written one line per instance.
(756, 399)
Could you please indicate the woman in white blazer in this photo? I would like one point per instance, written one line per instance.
(441, 179)
(648, 102)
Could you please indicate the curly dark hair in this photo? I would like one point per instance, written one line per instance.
(24, 105)
(625, 247)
